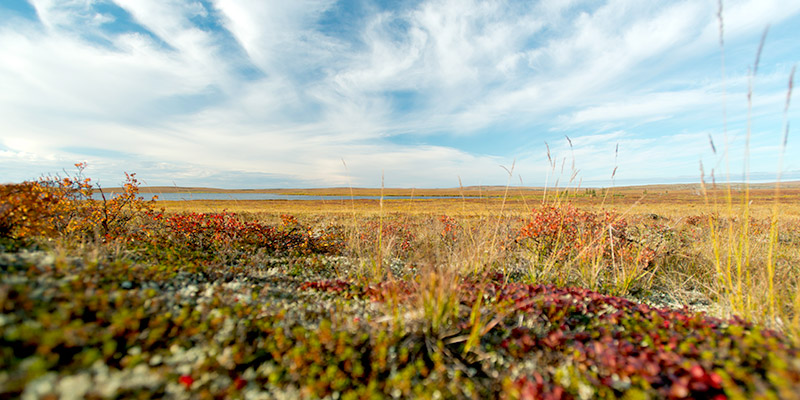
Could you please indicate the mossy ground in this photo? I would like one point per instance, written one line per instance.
(188, 305)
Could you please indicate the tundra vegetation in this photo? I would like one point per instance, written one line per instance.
(572, 293)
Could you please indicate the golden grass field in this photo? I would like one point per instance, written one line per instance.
(671, 201)
(740, 269)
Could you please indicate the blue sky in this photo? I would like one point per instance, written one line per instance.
(258, 94)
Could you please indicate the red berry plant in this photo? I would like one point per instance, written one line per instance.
(596, 246)
(449, 232)
(226, 237)
(394, 234)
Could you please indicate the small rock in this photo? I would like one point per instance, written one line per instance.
(74, 387)
(39, 387)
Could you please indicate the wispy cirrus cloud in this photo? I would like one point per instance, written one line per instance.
(262, 93)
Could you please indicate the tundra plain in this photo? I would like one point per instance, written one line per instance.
(679, 291)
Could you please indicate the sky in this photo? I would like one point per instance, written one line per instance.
(439, 93)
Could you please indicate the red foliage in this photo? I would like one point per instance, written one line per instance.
(566, 233)
(326, 286)
(672, 351)
(186, 381)
(225, 231)
(55, 206)
(449, 229)
(396, 233)
(536, 388)
(239, 383)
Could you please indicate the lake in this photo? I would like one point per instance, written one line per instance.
(264, 196)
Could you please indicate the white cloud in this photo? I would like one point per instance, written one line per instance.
(279, 36)
(600, 55)
(177, 94)
(746, 17)
(645, 107)
(63, 13)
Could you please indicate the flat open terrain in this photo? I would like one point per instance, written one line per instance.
(669, 200)
(638, 292)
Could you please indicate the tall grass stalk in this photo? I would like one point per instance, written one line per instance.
(353, 232)
(476, 323)
(493, 244)
(439, 300)
(468, 231)
(740, 277)
(773, 231)
(377, 265)
(547, 174)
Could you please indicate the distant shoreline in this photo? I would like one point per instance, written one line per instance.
(467, 191)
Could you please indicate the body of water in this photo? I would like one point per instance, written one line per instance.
(263, 196)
